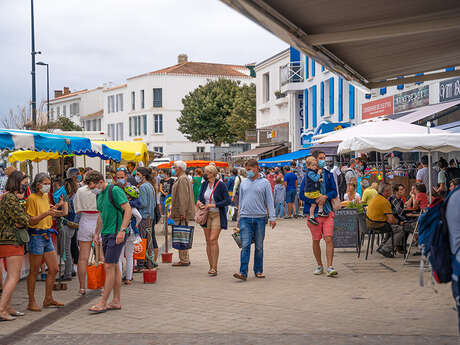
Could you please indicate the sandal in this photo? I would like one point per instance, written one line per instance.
(239, 276)
(260, 275)
(96, 310)
(82, 292)
(52, 304)
(34, 307)
(112, 307)
(212, 272)
(180, 263)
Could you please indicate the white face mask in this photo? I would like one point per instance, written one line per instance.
(96, 190)
(45, 188)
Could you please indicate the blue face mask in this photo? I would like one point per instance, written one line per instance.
(79, 178)
(322, 163)
(173, 172)
(251, 174)
(138, 179)
(122, 181)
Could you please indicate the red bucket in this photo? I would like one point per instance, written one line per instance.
(150, 276)
(166, 258)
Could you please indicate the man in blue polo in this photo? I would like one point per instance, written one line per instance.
(291, 191)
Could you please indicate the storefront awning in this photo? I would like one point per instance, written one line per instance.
(254, 153)
(283, 160)
(369, 42)
(429, 111)
(453, 127)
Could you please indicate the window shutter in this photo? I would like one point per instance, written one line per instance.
(130, 127)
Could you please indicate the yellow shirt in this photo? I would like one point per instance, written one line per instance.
(368, 195)
(37, 205)
(378, 208)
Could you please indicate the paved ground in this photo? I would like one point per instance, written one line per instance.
(368, 303)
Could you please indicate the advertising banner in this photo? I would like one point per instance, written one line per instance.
(449, 90)
(380, 107)
(412, 99)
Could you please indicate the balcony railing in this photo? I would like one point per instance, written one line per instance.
(293, 72)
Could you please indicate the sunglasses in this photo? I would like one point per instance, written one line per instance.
(122, 169)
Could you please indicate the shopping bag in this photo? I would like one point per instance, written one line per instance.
(140, 249)
(236, 236)
(182, 237)
(95, 271)
(230, 212)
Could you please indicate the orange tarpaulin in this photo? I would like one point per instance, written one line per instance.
(195, 164)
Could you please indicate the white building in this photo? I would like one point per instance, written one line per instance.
(84, 107)
(147, 107)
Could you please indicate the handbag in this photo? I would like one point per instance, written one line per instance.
(22, 236)
(201, 215)
(182, 237)
(95, 271)
(140, 250)
(237, 237)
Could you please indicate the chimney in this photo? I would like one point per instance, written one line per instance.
(66, 90)
(57, 93)
(182, 58)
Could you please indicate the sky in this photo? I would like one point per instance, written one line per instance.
(91, 42)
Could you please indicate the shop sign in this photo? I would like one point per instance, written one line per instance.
(301, 119)
(412, 99)
(380, 107)
(449, 90)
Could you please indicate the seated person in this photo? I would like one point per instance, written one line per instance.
(454, 183)
(369, 191)
(312, 189)
(351, 194)
(379, 217)
(419, 198)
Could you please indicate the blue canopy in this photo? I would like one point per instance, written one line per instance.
(283, 160)
(13, 140)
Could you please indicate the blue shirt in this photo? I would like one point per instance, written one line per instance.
(291, 179)
(256, 198)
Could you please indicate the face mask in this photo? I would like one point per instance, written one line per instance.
(96, 191)
(23, 188)
(173, 172)
(138, 179)
(122, 181)
(45, 188)
(321, 163)
(251, 174)
(205, 177)
(79, 178)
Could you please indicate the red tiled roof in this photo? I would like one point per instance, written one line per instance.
(70, 94)
(201, 68)
(116, 87)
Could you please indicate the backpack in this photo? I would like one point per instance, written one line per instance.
(433, 237)
(342, 184)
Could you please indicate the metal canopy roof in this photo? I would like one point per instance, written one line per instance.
(371, 42)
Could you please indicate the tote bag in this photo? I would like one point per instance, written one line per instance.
(95, 271)
(140, 250)
(182, 237)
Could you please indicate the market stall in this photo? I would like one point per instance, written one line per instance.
(283, 160)
(131, 151)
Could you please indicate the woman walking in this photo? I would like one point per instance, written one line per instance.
(40, 245)
(147, 204)
(85, 206)
(13, 216)
(214, 197)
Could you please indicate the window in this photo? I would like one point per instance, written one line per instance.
(142, 99)
(94, 125)
(133, 100)
(64, 110)
(58, 111)
(99, 124)
(74, 109)
(52, 114)
(158, 123)
(120, 102)
(200, 149)
(88, 125)
(108, 105)
(119, 133)
(157, 98)
(158, 149)
(111, 131)
(138, 125)
(266, 87)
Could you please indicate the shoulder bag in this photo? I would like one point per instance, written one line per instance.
(201, 215)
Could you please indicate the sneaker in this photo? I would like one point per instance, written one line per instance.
(331, 271)
(313, 221)
(319, 270)
(383, 252)
(322, 214)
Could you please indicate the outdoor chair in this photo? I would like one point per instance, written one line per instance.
(373, 230)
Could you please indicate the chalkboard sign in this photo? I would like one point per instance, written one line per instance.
(346, 228)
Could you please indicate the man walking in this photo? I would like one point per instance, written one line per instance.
(325, 227)
(256, 198)
(182, 205)
(291, 191)
(113, 221)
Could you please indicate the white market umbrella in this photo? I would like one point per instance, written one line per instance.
(374, 128)
(442, 142)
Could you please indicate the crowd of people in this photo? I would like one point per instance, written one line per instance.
(89, 213)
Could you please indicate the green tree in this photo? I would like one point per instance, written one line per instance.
(243, 116)
(62, 123)
(208, 108)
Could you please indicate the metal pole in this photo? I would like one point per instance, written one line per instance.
(47, 93)
(34, 96)
(429, 175)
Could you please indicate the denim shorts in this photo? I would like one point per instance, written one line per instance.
(111, 249)
(290, 196)
(38, 244)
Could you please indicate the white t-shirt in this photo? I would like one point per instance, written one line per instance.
(207, 195)
(357, 197)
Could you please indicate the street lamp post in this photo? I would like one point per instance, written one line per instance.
(40, 63)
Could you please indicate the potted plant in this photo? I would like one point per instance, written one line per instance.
(279, 94)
